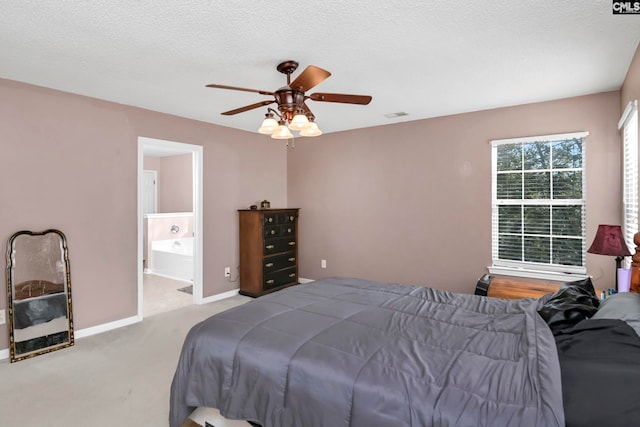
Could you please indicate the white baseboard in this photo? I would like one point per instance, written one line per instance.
(218, 297)
(303, 280)
(82, 333)
(4, 354)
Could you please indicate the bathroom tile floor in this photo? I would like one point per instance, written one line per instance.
(161, 295)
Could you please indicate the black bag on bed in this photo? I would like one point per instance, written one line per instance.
(572, 303)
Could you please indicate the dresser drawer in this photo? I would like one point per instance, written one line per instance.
(270, 219)
(279, 218)
(274, 246)
(274, 231)
(288, 218)
(280, 278)
(278, 262)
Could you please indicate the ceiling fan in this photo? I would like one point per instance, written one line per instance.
(293, 112)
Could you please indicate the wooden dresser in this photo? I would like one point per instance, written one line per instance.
(268, 250)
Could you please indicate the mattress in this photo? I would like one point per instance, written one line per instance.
(353, 352)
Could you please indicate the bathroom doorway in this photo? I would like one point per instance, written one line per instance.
(180, 246)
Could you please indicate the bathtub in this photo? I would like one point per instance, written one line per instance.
(173, 258)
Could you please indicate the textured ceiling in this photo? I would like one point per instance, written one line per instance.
(425, 58)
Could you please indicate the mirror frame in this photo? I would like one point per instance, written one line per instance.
(53, 340)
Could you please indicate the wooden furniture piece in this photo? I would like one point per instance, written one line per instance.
(514, 287)
(268, 250)
(517, 287)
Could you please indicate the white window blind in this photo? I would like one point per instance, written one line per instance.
(538, 204)
(629, 125)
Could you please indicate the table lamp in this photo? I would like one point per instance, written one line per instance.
(609, 241)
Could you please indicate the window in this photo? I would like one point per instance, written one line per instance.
(629, 125)
(538, 205)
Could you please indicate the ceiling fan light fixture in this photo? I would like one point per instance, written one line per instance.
(310, 130)
(299, 122)
(291, 102)
(269, 125)
(282, 133)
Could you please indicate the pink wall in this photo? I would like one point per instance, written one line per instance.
(151, 163)
(175, 182)
(70, 162)
(411, 202)
(175, 188)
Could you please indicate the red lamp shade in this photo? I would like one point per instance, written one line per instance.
(609, 241)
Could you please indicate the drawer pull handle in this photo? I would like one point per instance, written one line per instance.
(273, 231)
(270, 282)
(292, 243)
(269, 246)
(292, 260)
(292, 275)
(289, 230)
(291, 217)
(270, 219)
(270, 264)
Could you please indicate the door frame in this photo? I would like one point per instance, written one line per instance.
(173, 148)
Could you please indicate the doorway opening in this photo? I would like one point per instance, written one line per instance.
(189, 233)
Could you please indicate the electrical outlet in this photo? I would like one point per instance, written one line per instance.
(2, 318)
(323, 263)
(227, 272)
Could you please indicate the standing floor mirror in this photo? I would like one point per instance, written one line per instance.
(38, 293)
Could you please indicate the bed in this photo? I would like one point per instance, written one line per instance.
(352, 352)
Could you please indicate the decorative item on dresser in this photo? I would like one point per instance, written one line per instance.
(268, 250)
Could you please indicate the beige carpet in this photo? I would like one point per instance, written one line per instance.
(161, 295)
(118, 378)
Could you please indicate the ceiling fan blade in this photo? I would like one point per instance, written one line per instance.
(310, 77)
(247, 108)
(262, 92)
(341, 97)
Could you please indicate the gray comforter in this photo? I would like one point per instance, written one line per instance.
(349, 352)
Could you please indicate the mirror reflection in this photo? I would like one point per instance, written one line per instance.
(39, 293)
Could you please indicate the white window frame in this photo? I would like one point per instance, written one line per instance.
(522, 268)
(628, 124)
